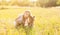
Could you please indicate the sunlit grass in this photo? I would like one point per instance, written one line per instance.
(47, 21)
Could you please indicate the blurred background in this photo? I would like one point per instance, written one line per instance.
(31, 3)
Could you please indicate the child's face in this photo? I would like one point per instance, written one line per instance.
(26, 14)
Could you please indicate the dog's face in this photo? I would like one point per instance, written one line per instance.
(29, 21)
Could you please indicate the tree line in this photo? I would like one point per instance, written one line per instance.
(38, 3)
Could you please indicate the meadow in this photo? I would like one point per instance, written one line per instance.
(47, 21)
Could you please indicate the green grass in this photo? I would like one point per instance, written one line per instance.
(47, 21)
